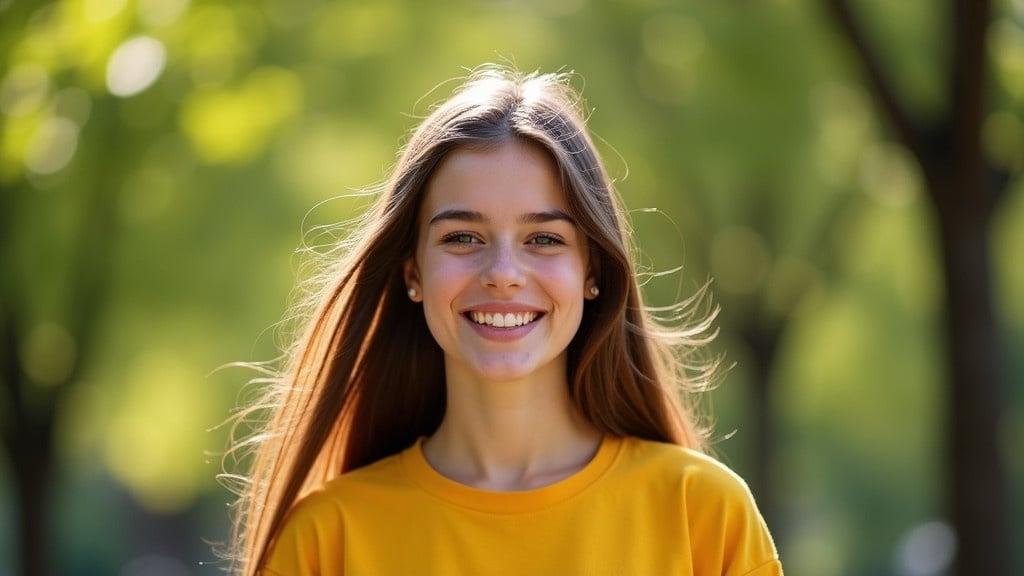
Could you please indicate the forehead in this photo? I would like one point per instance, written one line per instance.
(510, 179)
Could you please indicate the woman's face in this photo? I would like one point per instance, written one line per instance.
(500, 267)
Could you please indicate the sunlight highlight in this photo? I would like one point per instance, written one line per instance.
(135, 66)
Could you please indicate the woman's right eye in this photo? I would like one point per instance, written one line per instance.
(458, 238)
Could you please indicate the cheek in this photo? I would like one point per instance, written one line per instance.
(561, 277)
(443, 280)
(441, 274)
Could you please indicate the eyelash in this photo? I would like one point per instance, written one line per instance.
(449, 238)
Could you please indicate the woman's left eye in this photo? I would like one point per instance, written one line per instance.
(547, 240)
(458, 238)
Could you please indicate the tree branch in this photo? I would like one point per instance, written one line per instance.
(906, 130)
(970, 19)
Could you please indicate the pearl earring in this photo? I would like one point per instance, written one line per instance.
(411, 292)
(594, 291)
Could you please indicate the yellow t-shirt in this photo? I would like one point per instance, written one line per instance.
(638, 508)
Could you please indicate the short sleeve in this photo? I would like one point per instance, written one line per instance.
(728, 533)
(310, 542)
(748, 541)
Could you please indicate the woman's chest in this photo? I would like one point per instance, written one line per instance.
(596, 540)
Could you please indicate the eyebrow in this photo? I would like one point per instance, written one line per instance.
(473, 216)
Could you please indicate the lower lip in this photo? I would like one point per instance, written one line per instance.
(503, 334)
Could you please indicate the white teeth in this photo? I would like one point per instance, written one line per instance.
(504, 321)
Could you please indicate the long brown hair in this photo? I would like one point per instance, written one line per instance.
(365, 378)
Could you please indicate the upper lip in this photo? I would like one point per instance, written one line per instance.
(503, 308)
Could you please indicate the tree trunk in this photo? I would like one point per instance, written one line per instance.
(977, 489)
(28, 434)
(32, 483)
(965, 191)
(762, 341)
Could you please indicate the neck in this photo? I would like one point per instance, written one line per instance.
(510, 435)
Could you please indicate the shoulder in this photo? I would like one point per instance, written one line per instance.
(726, 531)
(333, 497)
(697, 474)
(706, 485)
(312, 527)
(311, 538)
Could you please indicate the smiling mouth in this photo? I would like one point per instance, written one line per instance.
(503, 321)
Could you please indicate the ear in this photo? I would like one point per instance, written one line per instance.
(593, 272)
(411, 274)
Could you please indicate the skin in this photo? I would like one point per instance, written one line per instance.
(509, 422)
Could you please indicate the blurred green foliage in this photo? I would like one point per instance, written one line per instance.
(208, 132)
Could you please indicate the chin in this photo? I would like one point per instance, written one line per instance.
(502, 369)
(503, 373)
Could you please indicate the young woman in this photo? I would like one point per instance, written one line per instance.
(480, 389)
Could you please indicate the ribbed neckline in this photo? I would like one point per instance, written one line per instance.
(415, 465)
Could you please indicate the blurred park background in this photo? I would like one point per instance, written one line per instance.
(847, 173)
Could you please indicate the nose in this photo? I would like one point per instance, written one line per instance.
(502, 268)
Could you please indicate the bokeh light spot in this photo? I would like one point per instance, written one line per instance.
(1006, 46)
(926, 550)
(161, 13)
(135, 65)
(234, 125)
(890, 175)
(52, 146)
(100, 10)
(155, 441)
(74, 104)
(24, 90)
